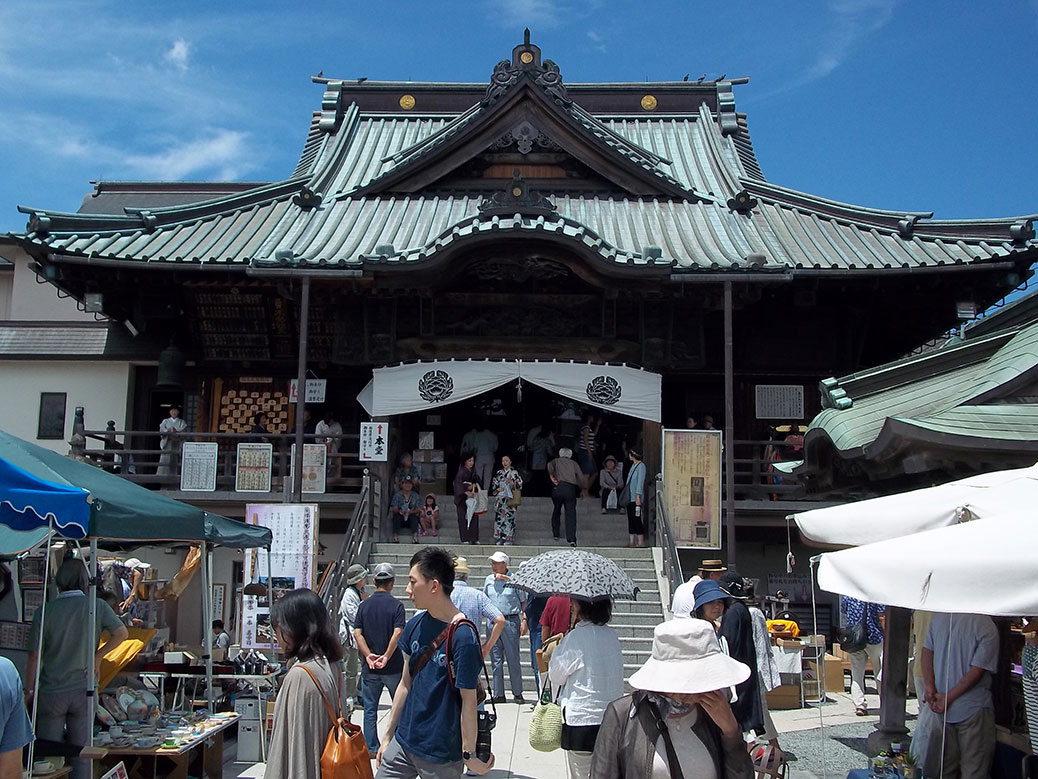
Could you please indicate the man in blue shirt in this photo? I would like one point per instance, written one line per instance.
(379, 624)
(509, 601)
(475, 605)
(855, 612)
(960, 657)
(15, 730)
(432, 724)
(405, 508)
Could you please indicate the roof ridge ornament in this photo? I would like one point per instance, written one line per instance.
(526, 61)
(517, 198)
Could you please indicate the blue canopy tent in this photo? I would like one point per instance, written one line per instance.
(43, 494)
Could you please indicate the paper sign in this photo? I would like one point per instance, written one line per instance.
(315, 391)
(374, 441)
(291, 564)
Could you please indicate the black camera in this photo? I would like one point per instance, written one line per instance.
(484, 724)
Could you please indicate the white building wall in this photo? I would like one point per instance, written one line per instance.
(102, 388)
(32, 301)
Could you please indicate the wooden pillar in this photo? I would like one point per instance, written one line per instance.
(304, 322)
(892, 689)
(652, 443)
(729, 426)
(382, 491)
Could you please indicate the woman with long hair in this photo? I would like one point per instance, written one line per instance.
(466, 481)
(587, 671)
(301, 723)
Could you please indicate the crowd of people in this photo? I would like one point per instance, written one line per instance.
(479, 488)
(679, 720)
(696, 702)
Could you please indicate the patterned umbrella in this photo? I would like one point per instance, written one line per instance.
(576, 573)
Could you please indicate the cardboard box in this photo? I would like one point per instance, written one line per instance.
(786, 696)
(833, 673)
(219, 655)
(179, 657)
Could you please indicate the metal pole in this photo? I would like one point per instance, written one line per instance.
(92, 679)
(729, 427)
(207, 618)
(304, 326)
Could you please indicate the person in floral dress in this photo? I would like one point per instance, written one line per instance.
(506, 480)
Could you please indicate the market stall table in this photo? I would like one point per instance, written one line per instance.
(265, 684)
(173, 762)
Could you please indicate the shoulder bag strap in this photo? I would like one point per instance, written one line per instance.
(327, 705)
(672, 756)
(424, 658)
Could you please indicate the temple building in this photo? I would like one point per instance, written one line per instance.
(613, 247)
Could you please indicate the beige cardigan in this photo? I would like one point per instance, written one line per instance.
(301, 722)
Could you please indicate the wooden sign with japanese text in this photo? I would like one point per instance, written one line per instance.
(692, 486)
(374, 441)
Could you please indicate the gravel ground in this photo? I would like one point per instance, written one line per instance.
(839, 749)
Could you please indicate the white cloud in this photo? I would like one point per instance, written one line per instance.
(597, 41)
(178, 54)
(852, 22)
(221, 153)
(849, 24)
(527, 13)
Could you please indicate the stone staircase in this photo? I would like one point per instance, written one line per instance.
(604, 534)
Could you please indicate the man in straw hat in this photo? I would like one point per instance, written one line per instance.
(681, 605)
(678, 721)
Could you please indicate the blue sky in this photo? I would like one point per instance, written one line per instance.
(901, 105)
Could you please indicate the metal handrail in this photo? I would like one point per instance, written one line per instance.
(671, 561)
(355, 543)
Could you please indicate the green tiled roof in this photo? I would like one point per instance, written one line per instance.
(707, 155)
(959, 396)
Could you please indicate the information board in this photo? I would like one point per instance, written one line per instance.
(692, 486)
(291, 564)
(315, 459)
(198, 465)
(252, 473)
(779, 401)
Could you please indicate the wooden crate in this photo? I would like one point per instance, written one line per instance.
(785, 696)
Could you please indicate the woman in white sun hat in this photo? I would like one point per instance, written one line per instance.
(678, 723)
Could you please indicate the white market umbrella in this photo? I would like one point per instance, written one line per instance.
(987, 566)
(878, 519)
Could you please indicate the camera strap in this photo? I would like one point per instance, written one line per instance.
(450, 658)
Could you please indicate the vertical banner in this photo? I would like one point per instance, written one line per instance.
(198, 467)
(292, 564)
(374, 438)
(315, 459)
(252, 472)
(692, 486)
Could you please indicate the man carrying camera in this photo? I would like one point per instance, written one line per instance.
(432, 730)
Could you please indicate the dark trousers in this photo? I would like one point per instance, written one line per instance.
(635, 524)
(564, 494)
(465, 531)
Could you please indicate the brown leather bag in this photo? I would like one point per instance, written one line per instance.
(345, 754)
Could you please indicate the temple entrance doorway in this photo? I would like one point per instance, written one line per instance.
(531, 426)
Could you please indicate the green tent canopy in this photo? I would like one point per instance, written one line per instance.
(121, 511)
